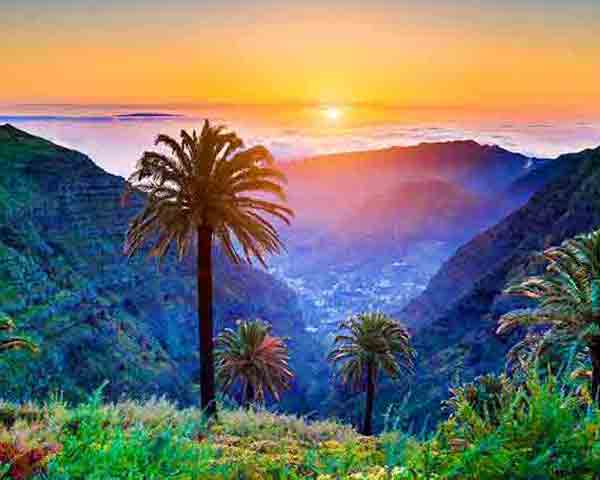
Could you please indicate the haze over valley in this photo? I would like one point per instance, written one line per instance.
(371, 227)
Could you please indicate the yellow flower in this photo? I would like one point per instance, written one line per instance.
(331, 445)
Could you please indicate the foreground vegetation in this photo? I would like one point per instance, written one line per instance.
(540, 428)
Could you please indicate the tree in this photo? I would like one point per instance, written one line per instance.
(212, 189)
(371, 343)
(13, 343)
(254, 358)
(567, 298)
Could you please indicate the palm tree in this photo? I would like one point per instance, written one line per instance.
(567, 297)
(13, 343)
(208, 188)
(254, 358)
(371, 343)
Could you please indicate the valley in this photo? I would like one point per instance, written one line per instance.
(412, 232)
(395, 216)
(330, 291)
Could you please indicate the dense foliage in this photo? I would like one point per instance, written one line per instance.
(567, 298)
(539, 429)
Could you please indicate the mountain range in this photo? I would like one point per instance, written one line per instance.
(469, 219)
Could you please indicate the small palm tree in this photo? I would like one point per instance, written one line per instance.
(209, 188)
(13, 343)
(567, 297)
(371, 343)
(252, 357)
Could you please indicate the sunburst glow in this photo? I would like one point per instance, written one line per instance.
(332, 113)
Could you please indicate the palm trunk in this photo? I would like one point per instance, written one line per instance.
(249, 397)
(368, 420)
(205, 322)
(595, 357)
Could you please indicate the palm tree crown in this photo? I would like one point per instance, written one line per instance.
(567, 296)
(372, 339)
(253, 357)
(207, 182)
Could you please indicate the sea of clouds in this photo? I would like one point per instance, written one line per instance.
(115, 139)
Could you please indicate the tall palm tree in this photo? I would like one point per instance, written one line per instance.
(567, 297)
(254, 358)
(208, 188)
(13, 343)
(371, 343)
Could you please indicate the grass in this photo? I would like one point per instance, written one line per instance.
(541, 429)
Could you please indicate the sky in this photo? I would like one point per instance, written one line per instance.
(534, 55)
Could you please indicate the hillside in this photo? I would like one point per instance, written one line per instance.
(97, 316)
(480, 167)
(373, 227)
(414, 210)
(455, 317)
(332, 186)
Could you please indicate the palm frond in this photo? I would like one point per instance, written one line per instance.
(251, 356)
(567, 295)
(203, 181)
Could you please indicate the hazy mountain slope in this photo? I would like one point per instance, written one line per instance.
(414, 209)
(98, 316)
(481, 167)
(541, 173)
(455, 318)
(372, 227)
(332, 186)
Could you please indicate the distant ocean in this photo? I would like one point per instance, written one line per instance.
(115, 136)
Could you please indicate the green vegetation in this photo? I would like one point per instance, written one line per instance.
(541, 429)
(371, 343)
(208, 189)
(254, 358)
(94, 313)
(568, 299)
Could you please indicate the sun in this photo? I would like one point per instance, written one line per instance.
(332, 113)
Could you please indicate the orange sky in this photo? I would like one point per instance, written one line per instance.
(483, 55)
